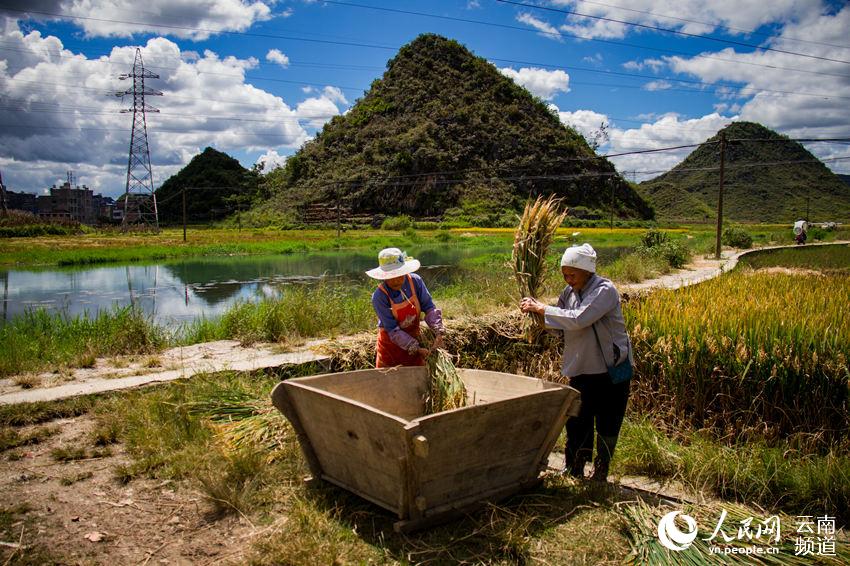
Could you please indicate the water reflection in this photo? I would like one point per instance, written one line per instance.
(177, 291)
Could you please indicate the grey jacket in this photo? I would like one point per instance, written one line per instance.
(598, 302)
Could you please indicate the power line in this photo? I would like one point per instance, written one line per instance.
(376, 46)
(670, 30)
(564, 34)
(716, 25)
(712, 87)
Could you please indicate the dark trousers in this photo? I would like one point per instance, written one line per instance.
(603, 404)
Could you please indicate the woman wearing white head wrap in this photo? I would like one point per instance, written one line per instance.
(595, 340)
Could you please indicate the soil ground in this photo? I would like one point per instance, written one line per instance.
(77, 512)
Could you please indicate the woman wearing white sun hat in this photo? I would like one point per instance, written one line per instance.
(398, 302)
(597, 358)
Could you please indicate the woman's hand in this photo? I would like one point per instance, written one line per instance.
(532, 305)
(438, 342)
(424, 352)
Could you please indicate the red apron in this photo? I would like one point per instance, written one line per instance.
(406, 314)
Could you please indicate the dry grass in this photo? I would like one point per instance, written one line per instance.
(27, 381)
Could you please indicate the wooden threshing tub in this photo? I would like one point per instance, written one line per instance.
(366, 431)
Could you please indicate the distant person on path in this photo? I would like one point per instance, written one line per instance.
(597, 358)
(800, 228)
(398, 302)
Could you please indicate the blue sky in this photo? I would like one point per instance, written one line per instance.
(256, 79)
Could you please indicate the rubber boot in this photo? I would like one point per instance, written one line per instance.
(576, 469)
(604, 452)
(600, 470)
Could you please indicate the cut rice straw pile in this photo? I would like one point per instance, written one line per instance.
(534, 234)
(244, 422)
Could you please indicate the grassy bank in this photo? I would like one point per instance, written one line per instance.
(778, 476)
(830, 259)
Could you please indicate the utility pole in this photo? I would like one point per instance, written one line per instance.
(184, 214)
(611, 182)
(808, 198)
(720, 194)
(139, 174)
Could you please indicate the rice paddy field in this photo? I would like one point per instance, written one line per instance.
(114, 246)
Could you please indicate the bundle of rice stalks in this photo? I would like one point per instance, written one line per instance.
(640, 522)
(244, 423)
(446, 389)
(535, 232)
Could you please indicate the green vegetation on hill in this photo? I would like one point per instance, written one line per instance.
(444, 132)
(217, 184)
(767, 181)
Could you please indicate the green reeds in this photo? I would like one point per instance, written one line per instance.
(38, 338)
(534, 234)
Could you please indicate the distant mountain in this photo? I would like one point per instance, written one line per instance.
(216, 184)
(773, 180)
(445, 130)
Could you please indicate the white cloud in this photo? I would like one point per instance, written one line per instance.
(814, 98)
(654, 64)
(585, 122)
(315, 111)
(595, 59)
(657, 85)
(206, 102)
(668, 130)
(689, 16)
(189, 19)
(276, 56)
(334, 94)
(540, 82)
(271, 160)
(546, 29)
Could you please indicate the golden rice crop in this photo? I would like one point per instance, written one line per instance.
(537, 226)
(751, 352)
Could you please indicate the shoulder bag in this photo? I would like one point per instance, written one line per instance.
(620, 372)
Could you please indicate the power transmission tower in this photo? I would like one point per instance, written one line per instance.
(139, 195)
(5, 208)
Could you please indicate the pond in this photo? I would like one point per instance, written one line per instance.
(183, 290)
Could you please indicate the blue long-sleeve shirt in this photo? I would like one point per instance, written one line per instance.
(386, 320)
